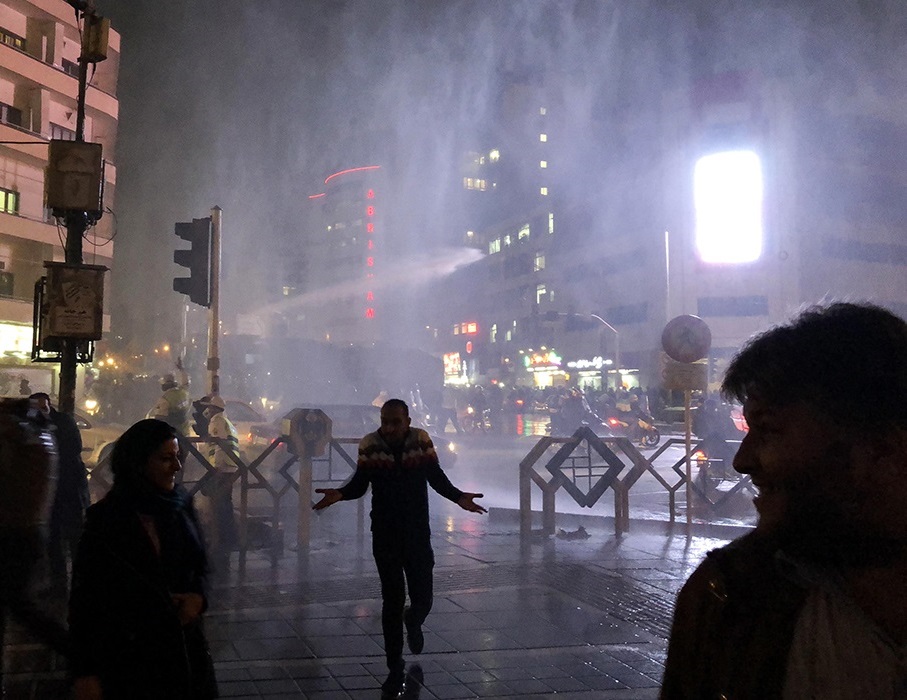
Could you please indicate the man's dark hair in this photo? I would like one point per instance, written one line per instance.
(132, 451)
(849, 360)
(40, 395)
(396, 403)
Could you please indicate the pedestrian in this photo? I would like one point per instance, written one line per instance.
(28, 474)
(71, 499)
(813, 602)
(448, 411)
(218, 488)
(398, 461)
(175, 404)
(139, 581)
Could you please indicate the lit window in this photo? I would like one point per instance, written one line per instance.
(470, 234)
(494, 246)
(457, 329)
(550, 222)
(539, 262)
(543, 138)
(543, 164)
(508, 336)
(9, 201)
(727, 190)
(493, 333)
(494, 156)
(541, 292)
(507, 240)
(543, 111)
(524, 232)
(543, 191)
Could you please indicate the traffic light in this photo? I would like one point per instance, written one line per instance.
(198, 259)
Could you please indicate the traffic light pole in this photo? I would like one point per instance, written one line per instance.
(213, 364)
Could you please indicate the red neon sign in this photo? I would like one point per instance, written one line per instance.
(351, 170)
(370, 313)
(370, 261)
(370, 210)
(370, 296)
(370, 194)
(370, 227)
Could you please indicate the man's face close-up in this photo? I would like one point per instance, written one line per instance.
(800, 464)
(394, 424)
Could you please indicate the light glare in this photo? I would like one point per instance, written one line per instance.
(727, 190)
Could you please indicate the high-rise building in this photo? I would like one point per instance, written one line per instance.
(39, 54)
(731, 181)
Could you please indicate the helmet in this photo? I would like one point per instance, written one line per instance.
(213, 402)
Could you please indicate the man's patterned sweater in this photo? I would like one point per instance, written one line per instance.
(399, 479)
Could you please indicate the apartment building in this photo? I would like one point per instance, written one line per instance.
(39, 55)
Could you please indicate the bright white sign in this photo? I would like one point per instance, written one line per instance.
(727, 190)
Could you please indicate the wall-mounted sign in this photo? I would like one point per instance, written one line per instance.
(452, 364)
(596, 362)
(542, 361)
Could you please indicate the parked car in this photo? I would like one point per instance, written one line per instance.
(97, 437)
(351, 421)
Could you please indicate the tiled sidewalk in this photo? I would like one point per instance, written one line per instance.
(555, 617)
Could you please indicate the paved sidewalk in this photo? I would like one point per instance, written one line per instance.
(559, 617)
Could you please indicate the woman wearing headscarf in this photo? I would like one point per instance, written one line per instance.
(139, 580)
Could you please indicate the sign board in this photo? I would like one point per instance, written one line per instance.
(309, 430)
(685, 375)
(74, 305)
(74, 172)
(686, 338)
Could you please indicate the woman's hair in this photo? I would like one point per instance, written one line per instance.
(135, 447)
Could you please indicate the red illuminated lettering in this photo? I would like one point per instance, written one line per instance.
(469, 347)
(370, 210)
(370, 313)
(370, 296)
(370, 228)
(370, 261)
(370, 194)
(371, 245)
(472, 328)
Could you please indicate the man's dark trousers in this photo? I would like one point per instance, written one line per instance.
(398, 555)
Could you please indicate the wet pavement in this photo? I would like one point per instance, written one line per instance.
(579, 614)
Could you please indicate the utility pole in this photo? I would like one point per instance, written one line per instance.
(76, 221)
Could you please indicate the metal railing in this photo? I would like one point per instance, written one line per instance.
(586, 466)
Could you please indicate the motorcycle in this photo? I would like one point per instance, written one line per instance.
(636, 426)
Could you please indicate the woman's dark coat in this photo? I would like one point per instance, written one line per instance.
(124, 625)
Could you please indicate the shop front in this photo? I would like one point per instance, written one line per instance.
(544, 368)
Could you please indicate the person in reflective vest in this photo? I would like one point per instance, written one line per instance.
(219, 488)
(175, 405)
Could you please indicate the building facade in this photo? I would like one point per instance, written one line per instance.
(737, 191)
(39, 54)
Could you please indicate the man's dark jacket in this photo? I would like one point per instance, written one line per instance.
(734, 625)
